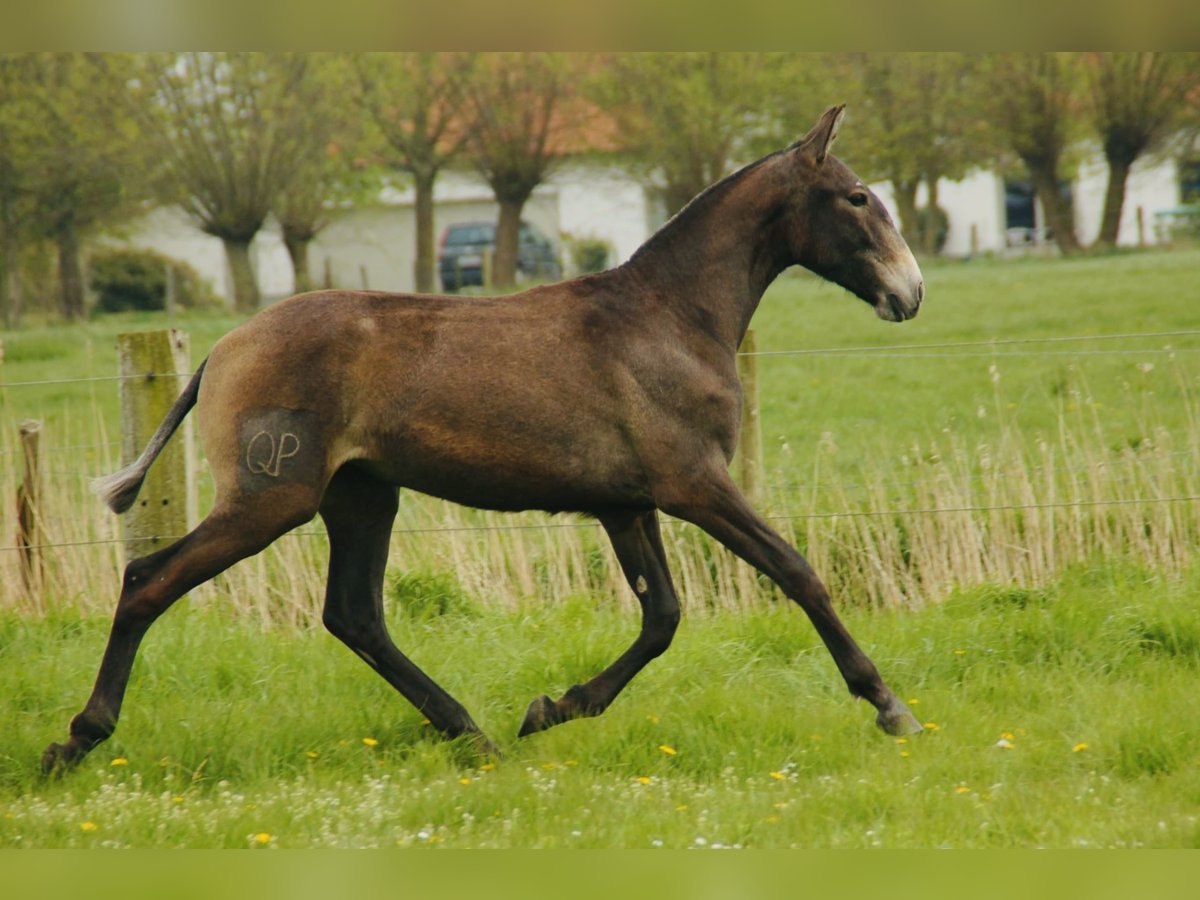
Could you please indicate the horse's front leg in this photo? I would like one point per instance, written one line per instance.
(716, 505)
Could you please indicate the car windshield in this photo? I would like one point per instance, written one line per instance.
(469, 234)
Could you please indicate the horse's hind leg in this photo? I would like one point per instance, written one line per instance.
(638, 545)
(151, 584)
(358, 511)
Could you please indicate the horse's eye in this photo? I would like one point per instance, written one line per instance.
(858, 198)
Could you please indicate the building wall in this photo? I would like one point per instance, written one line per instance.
(1153, 185)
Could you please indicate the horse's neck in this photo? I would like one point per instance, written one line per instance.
(715, 259)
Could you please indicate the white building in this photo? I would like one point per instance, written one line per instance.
(373, 246)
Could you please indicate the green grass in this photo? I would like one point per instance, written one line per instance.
(1001, 625)
(232, 731)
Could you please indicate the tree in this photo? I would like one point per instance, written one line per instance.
(328, 168)
(523, 115)
(1033, 104)
(15, 204)
(67, 163)
(910, 126)
(229, 130)
(415, 102)
(1139, 101)
(690, 117)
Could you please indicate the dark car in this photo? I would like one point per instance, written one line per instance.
(461, 252)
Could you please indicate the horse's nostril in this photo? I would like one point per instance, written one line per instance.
(920, 291)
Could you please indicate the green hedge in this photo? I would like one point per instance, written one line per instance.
(135, 279)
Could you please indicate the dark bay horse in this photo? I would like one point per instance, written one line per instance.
(615, 395)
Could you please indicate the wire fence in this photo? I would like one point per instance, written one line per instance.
(976, 348)
(939, 350)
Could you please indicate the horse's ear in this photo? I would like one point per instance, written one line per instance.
(821, 136)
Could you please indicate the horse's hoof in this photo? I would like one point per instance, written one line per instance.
(896, 719)
(480, 744)
(542, 713)
(58, 758)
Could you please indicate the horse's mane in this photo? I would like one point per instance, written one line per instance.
(698, 204)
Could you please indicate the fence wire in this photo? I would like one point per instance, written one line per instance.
(975, 349)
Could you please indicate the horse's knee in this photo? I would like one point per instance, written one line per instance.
(660, 630)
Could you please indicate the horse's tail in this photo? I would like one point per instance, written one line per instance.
(120, 489)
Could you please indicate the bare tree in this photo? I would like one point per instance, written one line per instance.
(229, 130)
(415, 100)
(1139, 102)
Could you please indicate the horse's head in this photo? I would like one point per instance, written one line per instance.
(841, 231)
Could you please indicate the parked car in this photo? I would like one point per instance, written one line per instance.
(460, 254)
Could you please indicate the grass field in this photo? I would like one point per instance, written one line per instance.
(1011, 528)
(1064, 716)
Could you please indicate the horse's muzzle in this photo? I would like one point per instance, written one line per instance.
(896, 308)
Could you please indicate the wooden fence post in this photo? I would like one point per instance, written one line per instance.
(750, 444)
(166, 505)
(29, 520)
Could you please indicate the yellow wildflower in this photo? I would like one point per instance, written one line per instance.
(1079, 748)
(904, 753)
(962, 789)
(370, 742)
(88, 825)
(312, 754)
(778, 776)
(670, 751)
(262, 838)
(643, 779)
(119, 761)
(464, 780)
(932, 726)
(487, 767)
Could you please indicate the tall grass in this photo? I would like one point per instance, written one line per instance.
(942, 513)
(901, 477)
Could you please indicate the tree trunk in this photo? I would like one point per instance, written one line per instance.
(10, 286)
(425, 237)
(246, 297)
(504, 268)
(905, 193)
(930, 231)
(70, 272)
(1060, 212)
(297, 248)
(1114, 202)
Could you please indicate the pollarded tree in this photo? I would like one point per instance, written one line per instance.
(912, 123)
(1034, 105)
(1139, 102)
(229, 129)
(69, 165)
(329, 167)
(688, 118)
(415, 102)
(524, 117)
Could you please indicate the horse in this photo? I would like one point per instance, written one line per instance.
(613, 395)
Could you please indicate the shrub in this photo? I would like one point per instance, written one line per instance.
(129, 279)
(424, 595)
(589, 254)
